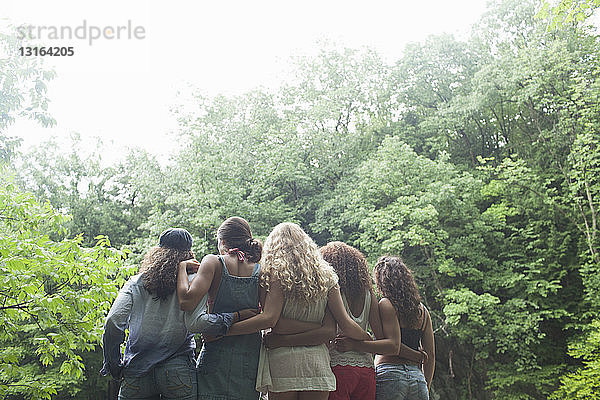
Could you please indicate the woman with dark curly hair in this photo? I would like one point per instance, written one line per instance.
(353, 370)
(159, 355)
(397, 376)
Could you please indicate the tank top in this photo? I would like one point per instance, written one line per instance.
(412, 337)
(355, 358)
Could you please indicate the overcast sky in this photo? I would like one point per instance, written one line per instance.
(122, 89)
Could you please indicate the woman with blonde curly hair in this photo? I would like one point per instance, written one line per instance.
(398, 377)
(297, 283)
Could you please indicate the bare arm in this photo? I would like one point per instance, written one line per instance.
(429, 345)
(273, 305)
(389, 344)
(374, 318)
(323, 334)
(191, 294)
(286, 326)
(346, 324)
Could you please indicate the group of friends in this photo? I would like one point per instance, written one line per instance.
(288, 320)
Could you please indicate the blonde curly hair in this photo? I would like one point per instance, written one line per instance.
(293, 259)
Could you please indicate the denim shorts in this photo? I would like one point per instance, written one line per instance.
(400, 382)
(173, 379)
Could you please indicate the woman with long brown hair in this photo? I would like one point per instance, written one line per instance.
(397, 377)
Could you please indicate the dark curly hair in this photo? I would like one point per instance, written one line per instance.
(396, 282)
(235, 232)
(351, 268)
(159, 270)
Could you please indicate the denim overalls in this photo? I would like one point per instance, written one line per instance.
(227, 367)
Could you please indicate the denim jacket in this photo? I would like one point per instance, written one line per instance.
(157, 330)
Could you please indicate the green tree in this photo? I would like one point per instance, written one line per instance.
(54, 296)
(55, 292)
(584, 383)
(275, 156)
(23, 91)
(111, 200)
(566, 12)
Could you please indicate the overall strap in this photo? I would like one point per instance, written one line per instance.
(225, 271)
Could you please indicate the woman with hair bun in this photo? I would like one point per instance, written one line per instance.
(398, 377)
(226, 366)
(297, 284)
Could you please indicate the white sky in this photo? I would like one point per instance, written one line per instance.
(122, 90)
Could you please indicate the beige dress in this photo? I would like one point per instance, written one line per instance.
(297, 368)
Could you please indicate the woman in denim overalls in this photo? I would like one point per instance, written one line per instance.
(227, 365)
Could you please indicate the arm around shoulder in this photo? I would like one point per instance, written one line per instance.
(191, 294)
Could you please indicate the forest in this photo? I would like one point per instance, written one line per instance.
(477, 161)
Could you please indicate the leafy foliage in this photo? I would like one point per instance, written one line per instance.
(476, 160)
(584, 383)
(111, 200)
(23, 95)
(53, 299)
(567, 11)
